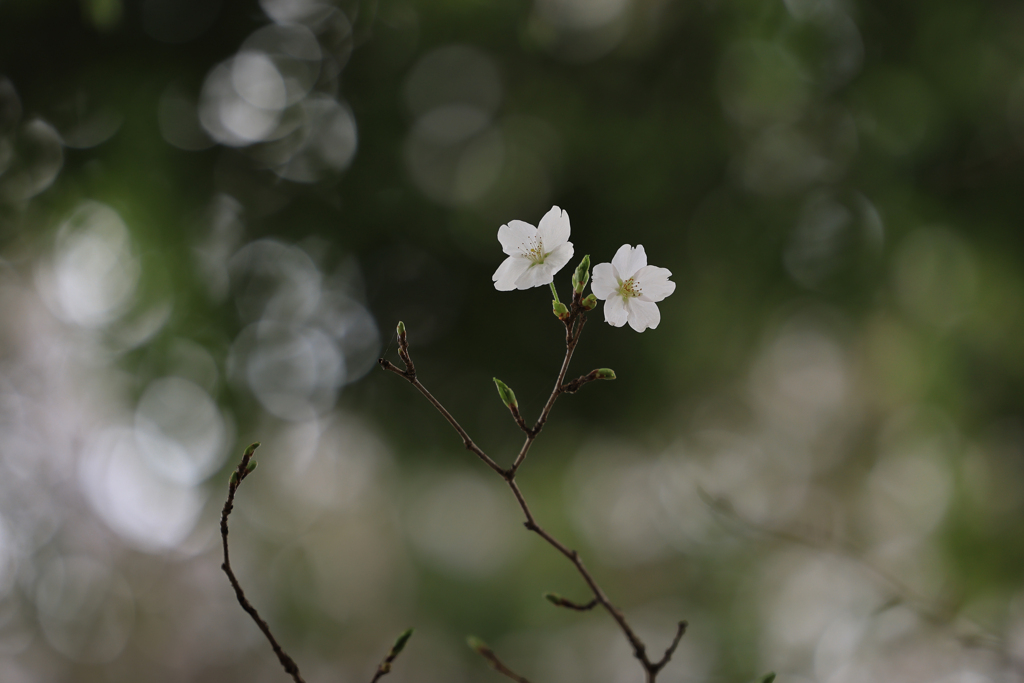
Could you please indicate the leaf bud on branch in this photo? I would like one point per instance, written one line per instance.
(582, 275)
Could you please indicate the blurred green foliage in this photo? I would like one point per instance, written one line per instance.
(834, 185)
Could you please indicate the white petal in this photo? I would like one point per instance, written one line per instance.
(554, 228)
(615, 311)
(559, 257)
(643, 314)
(605, 280)
(637, 260)
(621, 260)
(508, 272)
(537, 275)
(517, 237)
(654, 283)
(628, 260)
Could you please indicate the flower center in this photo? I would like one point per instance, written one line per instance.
(535, 253)
(630, 288)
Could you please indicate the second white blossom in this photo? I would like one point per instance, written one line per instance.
(631, 288)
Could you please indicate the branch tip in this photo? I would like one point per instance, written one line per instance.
(558, 601)
(680, 631)
(384, 667)
(245, 466)
(482, 649)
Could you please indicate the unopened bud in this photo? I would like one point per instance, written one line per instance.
(604, 373)
(553, 598)
(251, 449)
(401, 328)
(589, 302)
(582, 275)
(402, 640)
(508, 397)
(560, 310)
(251, 466)
(768, 678)
(476, 644)
(234, 478)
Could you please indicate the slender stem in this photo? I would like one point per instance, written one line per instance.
(554, 292)
(680, 631)
(639, 649)
(572, 339)
(384, 668)
(569, 604)
(573, 329)
(290, 667)
(499, 666)
(466, 440)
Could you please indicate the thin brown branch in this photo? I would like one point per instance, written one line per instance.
(518, 417)
(660, 664)
(385, 666)
(487, 653)
(241, 472)
(559, 601)
(470, 445)
(576, 384)
(639, 649)
(573, 329)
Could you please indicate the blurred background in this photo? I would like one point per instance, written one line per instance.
(213, 213)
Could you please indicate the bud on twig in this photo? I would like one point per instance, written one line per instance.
(589, 302)
(477, 645)
(401, 641)
(251, 466)
(401, 330)
(508, 397)
(582, 275)
(560, 310)
(251, 449)
(604, 373)
(768, 678)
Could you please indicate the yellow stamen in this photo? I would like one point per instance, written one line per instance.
(630, 288)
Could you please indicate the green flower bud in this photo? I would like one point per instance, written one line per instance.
(401, 329)
(402, 640)
(582, 275)
(553, 598)
(251, 466)
(234, 478)
(477, 644)
(604, 373)
(251, 449)
(589, 302)
(508, 397)
(560, 310)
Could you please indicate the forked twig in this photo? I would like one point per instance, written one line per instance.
(573, 322)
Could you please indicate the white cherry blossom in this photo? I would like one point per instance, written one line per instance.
(630, 288)
(534, 254)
